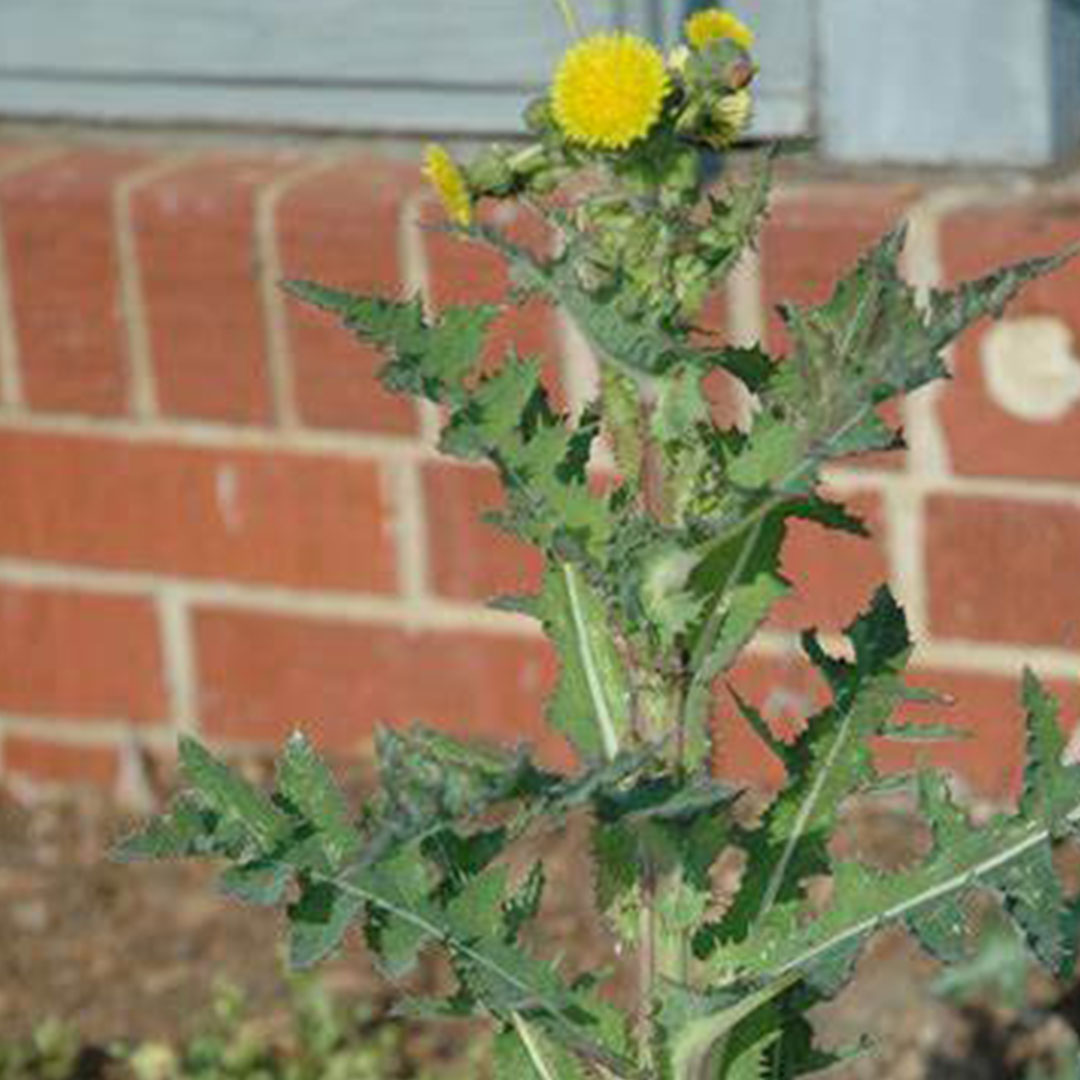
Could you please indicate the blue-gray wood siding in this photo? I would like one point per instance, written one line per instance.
(363, 65)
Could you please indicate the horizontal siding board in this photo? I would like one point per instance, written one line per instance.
(405, 111)
(893, 88)
(363, 65)
(446, 40)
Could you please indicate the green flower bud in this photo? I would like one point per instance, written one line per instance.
(490, 173)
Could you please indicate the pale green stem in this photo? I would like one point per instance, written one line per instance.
(573, 24)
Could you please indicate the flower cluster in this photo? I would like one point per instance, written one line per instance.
(613, 94)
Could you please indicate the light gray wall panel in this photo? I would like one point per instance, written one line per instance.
(785, 52)
(389, 65)
(944, 81)
(366, 64)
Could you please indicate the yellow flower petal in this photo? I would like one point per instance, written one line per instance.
(446, 178)
(715, 25)
(609, 90)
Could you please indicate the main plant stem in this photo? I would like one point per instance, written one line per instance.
(569, 15)
(661, 710)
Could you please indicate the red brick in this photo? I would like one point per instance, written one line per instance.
(62, 261)
(305, 521)
(785, 690)
(43, 761)
(11, 154)
(1004, 570)
(195, 235)
(462, 272)
(342, 227)
(261, 676)
(79, 654)
(834, 574)
(985, 439)
(470, 559)
(988, 709)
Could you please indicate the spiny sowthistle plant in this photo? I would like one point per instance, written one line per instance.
(652, 589)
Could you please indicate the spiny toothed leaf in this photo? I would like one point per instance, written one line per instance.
(697, 1029)
(523, 905)
(591, 704)
(953, 310)
(429, 359)
(1049, 783)
(1010, 855)
(237, 801)
(868, 343)
(829, 762)
(188, 829)
(262, 882)
(304, 781)
(319, 921)
(396, 941)
(523, 1051)
(541, 457)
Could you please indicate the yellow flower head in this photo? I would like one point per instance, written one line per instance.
(445, 177)
(704, 27)
(609, 90)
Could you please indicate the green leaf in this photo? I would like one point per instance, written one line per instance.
(591, 704)
(308, 786)
(428, 359)
(398, 941)
(524, 1052)
(318, 922)
(262, 882)
(698, 1028)
(829, 762)
(524, 905)
(1011, 855)
(188, 829)
(1050, 784)
(231, 796)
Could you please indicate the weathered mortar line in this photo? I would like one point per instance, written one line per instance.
(410, 507)
(211, 435)
(11, 381)
(179, 666)
(279, 360)
(98, 731)
(849, 480)
(410, 530)
(142, 380)
(268, 599)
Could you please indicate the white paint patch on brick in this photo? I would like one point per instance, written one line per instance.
(1031, 367)
(227, 498)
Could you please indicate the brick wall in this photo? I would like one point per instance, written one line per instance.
(212, 519)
